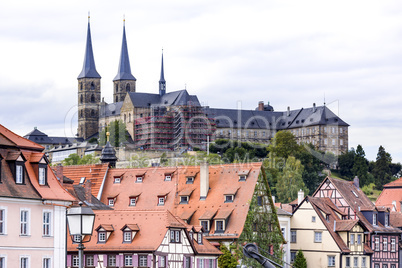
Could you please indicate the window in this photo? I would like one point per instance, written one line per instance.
(24, 261)
(127, 236)
(75, 261)
(133, 201)
(142, 261)
(161, 200)
(393, 266)
(111, 260)
(292, 256)
(19, 174)
(190, 180)
(2, 262)
(205, 225)
(317, 237)
(219, 226)
(199, 238)
(292, 236)
(333, 142)
(385, 266)
(162, 260)
(386, 220)
(46, 262)
(42, 176)
(174, 236)
(2, 221)
(24, 222)
(168, 177)
(76, 238)
(111, 202)
(331, 261)
(374, 219)
(117, 179)
(46, 223)
(384, 244)
(102, 237)
(229, 198)
(242, 177)
(377, 244)
(89, 260)
(347, 264)
(363, 262)
(352, 239)
(325, 141)
(359, 239)
(187, 259)
(259, 200)
(128, 260)
(355, 262)
(139, 179)
(82, 180)
(184, 199)
(313, 219)
(393, 248)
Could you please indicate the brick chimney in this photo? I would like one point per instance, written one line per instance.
(59, 174)
(88, 191)
(204, 180)
(261, 106)
(288, 111)
(300, 196)
(356, 182)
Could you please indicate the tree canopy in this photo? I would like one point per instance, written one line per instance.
(117, 131)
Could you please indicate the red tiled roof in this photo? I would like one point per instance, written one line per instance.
(395, 183)
(396, 219)
(388, 195)
(9, 136)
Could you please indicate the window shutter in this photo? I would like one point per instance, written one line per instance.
(69, 260)
(149, 260)
(166, 260)
(105, 260)
(96, 260)
(213, 263)
(119, 260)
(84, 260)
(135, 260)
(159, 261)
(206, 262)
(184, 262)
(199, 263)
(191, 263)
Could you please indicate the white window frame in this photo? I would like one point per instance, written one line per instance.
(102, 236)
(19, 173)
(116, 180)
(163, 261)
(110, 202)
(331, 261)
(89, 261)
(49, 265)
(75, 261)
(190, 180)
(317, 237)
(128, 260)
(139, 179)
(142, 259)
(49, 224)
(393, 244)
(28, 261)
(374, 219)
(229, 198)
(42, 176)
(127, 235)
(359, 239)
(3, 230)
(356, 262)
(385, 244)
(352, 239)
(82, 180)
(4, 258)
(184, 199)
(26, 221)
(111, 260)
(133, 201)
(377, 244)
(161, 200)
(168, 177)
(199, 238)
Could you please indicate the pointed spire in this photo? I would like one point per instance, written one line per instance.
(89, 69)
(162, 82)
(124, 72)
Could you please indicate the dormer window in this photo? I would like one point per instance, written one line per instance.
(117, 180)
(19, 172)
(127, 236)
(184, 199)
(102, 237)
(374, 219)
(386, 223)
(111, 201)
(129, 232)
(190, 180)
(104, 232)
(242, 178)
(161, 200)
(221, 220)
(199, 238)
(42, 175)
(133, 200)
(139, 179)
(168, 177)
(174, 236)
(229, 198)
(205, 225)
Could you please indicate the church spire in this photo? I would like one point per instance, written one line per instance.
(89, 69)
(124, 72)
(162, 82)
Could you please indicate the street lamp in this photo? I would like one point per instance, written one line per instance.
(80, 223)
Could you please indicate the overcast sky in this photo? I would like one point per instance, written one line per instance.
(290, 53)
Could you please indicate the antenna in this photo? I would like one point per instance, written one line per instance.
(324, 98)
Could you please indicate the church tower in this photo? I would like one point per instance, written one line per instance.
(124, 81)
(162, 82)
(89, 93)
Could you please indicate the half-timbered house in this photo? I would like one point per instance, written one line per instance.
(382, 238)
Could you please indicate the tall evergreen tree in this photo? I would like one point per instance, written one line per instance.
(360, 166)
(345, 164)
(382, 171)
(300, 260)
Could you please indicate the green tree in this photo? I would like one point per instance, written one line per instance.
(75, 159)
(300, 260)
(290, 181)
(284, 144)
(382, 170)
(228, 259)
(72, 159)
(312, 175)
(361, 166)
(345, 164)
(117, 131)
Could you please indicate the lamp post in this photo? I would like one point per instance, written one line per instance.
(80, 223)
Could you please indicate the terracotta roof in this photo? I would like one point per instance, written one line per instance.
(345, 225)
(221, 177)
(389, 195)
(395, 183)
(132, 227)
(9, 136)
(396, 219)
(186, 215)
(186, 191)
(96, 173)
(223, 214)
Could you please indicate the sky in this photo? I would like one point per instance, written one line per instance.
(229, 53)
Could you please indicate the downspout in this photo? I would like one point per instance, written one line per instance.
(99, 196)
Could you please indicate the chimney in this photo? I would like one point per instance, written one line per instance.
(300, 196)
(288, 112)
(59, 174)
(314, 108)
(356, 182)
(88, 191)
(393, 205)
(204, 180)
(261, 106)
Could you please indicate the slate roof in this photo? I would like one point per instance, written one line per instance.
(254, 119)
(112, 109)
(175, 98)
(89, 69)
(221, 178)
(42, 138)
(124, 72)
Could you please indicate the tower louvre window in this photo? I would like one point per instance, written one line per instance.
(128, 87)
(92, 86)
(92, 98)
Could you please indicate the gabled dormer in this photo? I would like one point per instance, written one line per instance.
(185, 195)
(383, 215)
(243, 174)
(40, 164)
(104, 232)
(134, 200)
(129, 232)
(221, 220)
(230, 194)
(16, 162)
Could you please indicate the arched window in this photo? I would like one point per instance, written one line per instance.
(81, 114)
(92, 86)
(117, 99)
(128, 87)
(81, 99)
(124, 119)
(80, 85)
(129, 118)
(92, 98)
(92, 113)
(116, 88)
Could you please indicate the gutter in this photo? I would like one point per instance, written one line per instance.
(99, 196)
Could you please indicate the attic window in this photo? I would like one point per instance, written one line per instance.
(242, 177)
(117, 180)
(205, 225)
(133, 200)
(297, 121)
(229, 198)
(19, 172)
(104, 232)
(127, 236)
(139, 179)
(302, 121)
(82, 180)
(190, 180)
(161, 200)
(327, 217)
(110, 202)
(184, 199)
(199, 238)
(102, 237)
(42, 175)
(168, 177)
(355, 193)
